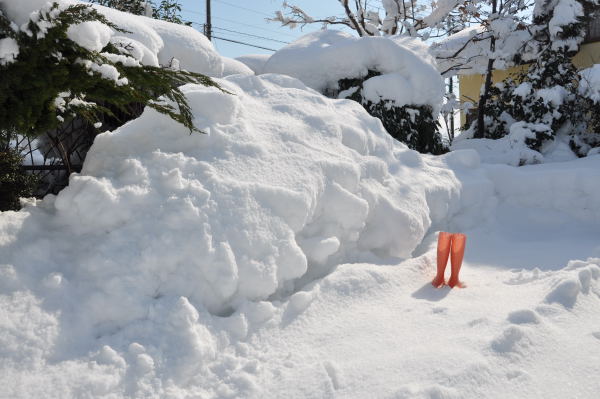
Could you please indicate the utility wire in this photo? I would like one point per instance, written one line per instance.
(243, 8)
(251, 35)
(243, 43)
(241, 33)
(241, 23)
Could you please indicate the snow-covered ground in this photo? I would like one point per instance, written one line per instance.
(288, 253)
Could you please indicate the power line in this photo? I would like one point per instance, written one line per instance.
(243, 8)
(242, 33)
(240, 23)
(255, 27)
(251, 35)
(243, 43)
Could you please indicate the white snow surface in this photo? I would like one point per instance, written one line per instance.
(160, 42)
(91, 35)
(234, 67)
(287, 252)
(9, 50)
(320, 59)
(256, 62)
(512, 150)
(589, 84)
(20, 11)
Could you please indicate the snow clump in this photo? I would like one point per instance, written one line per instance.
(589, 83)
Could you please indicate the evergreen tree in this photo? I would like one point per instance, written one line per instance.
(48, 81)
(546, 96)
(137, 7)
(53, 78)
(166, 10)
(169, 10)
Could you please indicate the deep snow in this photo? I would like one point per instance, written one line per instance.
(288, 252)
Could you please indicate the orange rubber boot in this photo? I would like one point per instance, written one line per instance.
(443, 251)
(457, 254)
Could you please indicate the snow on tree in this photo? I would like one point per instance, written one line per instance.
(395, 78)
(166, 10)
(411, 17)
(546, 98)
(62, 65)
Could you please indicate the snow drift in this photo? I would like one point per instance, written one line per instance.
(162, 227)
(283, 181)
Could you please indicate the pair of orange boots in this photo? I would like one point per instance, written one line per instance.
(453, 245)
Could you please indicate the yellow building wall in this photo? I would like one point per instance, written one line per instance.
(469, 86)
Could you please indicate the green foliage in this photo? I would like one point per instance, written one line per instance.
(410, 124)
(169, 10)
(14, 181)
(137, 7)
(166, 10)
(50, 65)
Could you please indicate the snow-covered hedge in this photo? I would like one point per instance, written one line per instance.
(320, 59)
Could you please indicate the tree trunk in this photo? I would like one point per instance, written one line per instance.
(488, 83)
(483, 100)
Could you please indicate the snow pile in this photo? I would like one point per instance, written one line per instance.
(234, 67)
(568, 187)
(256, 62)
(320, 59)
(513, 150)
(163, 227)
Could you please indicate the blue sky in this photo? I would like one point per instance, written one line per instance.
(244, 21)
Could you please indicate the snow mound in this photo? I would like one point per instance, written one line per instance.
(256, 62)
(159, 42)
(568, 187)
(320, 59)
(167, 245)
(234, 67)
(512, 150)
(236, 214)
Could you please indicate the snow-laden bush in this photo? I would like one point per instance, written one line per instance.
(550, 92)
(394, 78)
(413, 125)
(14, 181)
(66, 64)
